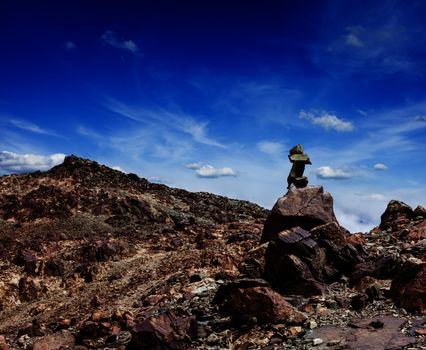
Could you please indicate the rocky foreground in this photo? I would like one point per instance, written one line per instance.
(94, 258)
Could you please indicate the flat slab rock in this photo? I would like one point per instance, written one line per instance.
(381, 333)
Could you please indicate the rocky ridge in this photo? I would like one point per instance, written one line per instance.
(95, 258)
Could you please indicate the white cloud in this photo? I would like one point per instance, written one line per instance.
(13, 162)
(375, 197)
(118, 168)
(209, 171)
(111, 39)
(326, 172)
(327, 121)
(70, 46)
(380, 166)
(371, 196)
(271, 148)
(159, 180)
(194, 166)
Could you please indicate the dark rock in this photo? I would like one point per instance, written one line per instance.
(396, 213)
(290, 267)
(420, 211)
(241, 237)
(304, 207)
(386, 267)
(102, 250)
(359, 301)
(382, 267)
(260, 305)
(54, 267)
(298, 261)
(164, 331)
(28, 259)
(196, 277)
(225, 289)
(29, 289)
(341, 255)
(409, 287)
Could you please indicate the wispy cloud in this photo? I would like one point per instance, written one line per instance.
(327, 121)
(29, 126)
(328, 173)
(378, 45)
(111, 39)
(209, 171)
(13, 162)
(272, 148)
(372, 196)
(163, 119)
(194, 166)
(363, 113)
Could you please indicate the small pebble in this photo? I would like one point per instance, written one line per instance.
(313, 324)
(317, 341)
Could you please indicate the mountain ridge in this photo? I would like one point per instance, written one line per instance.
(95, 258)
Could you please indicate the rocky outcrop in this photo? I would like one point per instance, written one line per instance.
(304, 207)
(307, 247)
(397, 213)
(165, 331)
(95, 258)
(253, 301)
(409, 287)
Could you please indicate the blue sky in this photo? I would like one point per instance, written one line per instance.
(211, 95)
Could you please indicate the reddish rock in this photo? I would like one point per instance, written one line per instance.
(420, 211)
(3, 344)
(55, 341)
(305, 207)
(356, 239)
(291, 273)
(260, 304)
(417, 232)
(396, 213)
(383, 267)
(408, 289)
(164, 331)
(381, 333)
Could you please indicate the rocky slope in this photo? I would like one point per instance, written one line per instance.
(94, 258)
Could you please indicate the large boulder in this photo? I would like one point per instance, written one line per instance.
(163, 331)
(296, 264)
(397, 213)
(304, 207)
(408, 289)
(307, 247)
(248, 301)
